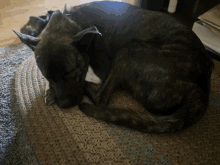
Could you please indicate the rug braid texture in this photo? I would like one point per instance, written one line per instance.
(33, 133)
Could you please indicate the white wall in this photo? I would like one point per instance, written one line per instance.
(133, 2)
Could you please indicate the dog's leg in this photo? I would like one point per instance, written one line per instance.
(107, 89)
(49, 95)
(101, 94)
(92, 91)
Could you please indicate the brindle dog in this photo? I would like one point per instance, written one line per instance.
(152, 56)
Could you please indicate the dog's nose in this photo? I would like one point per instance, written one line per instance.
(65, 103)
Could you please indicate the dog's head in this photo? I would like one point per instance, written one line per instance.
(62, 57)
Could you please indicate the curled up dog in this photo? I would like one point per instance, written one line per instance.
(156, 59)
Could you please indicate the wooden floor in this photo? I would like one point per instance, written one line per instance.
(14, 14)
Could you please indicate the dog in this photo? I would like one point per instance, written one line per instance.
(160, 62)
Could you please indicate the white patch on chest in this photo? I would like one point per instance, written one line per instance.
(91, 77)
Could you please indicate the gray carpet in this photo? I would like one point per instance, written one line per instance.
(15, 146)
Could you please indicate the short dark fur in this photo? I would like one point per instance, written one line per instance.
(161, 63)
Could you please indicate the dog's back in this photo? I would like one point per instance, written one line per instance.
(121, 23)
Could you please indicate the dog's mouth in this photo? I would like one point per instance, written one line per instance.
(69, 100)
(68, 93)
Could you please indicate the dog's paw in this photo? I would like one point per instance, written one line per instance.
(103, 98)
(83, 106)
(49, 97)
(87, 108)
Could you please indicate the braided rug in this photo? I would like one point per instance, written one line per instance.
(67, 136)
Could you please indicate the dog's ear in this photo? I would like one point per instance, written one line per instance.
(28, 40)
(84, 38)
(66, 9)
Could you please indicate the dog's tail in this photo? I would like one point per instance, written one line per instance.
(191, 109)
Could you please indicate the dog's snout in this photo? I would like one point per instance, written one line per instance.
(65, 103)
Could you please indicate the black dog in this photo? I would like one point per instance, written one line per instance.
(152, 56)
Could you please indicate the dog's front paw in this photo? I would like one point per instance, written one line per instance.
(49, 97)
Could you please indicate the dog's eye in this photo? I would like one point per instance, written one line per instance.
(63, 73)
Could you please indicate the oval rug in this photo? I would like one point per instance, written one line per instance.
(67, 136)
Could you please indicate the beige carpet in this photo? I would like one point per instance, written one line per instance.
(70, 137)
